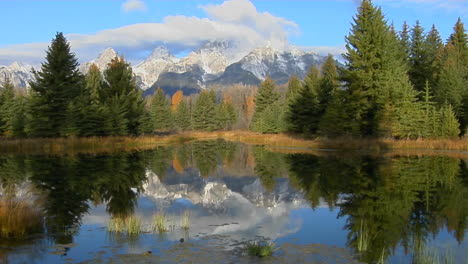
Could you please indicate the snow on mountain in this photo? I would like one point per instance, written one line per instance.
(213, 58)
(101, 61)
(157, 62)
(218, 63)
(19, 74)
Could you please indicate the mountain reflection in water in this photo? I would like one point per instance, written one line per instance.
(378, 208)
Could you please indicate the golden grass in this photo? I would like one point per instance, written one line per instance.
(19, 218)
(344, 143)
(94, 145)
(185, 222)
(159, 223)
(88, 145)
(131, 224)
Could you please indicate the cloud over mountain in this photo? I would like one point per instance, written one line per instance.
(237, 21)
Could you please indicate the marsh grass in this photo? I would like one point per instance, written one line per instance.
(19, 218)
(133, 225)
(95, 145)
(257, 249)
(428, 255)
(185, 221)
(130, 224)
(116, 224)
(159, 223)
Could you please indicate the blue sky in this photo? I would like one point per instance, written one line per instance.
(135, 27)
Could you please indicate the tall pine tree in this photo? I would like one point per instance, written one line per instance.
(54, 90)
(123, 99)
(161, 111)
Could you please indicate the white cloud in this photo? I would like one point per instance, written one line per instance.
(133, 5)
(237, 21)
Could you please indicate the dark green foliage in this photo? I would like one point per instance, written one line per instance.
(123, 99)
(433, 47)
(303, 109)
(53, 90)
(417, 58)
(226, 115)
(93, 116)
(405, 43)
(182, 116)
(161, 111)
(294, 86)
(205, 116)
(265, 96)
(13, 107)
(337, 120)
(449, 127)
(272, 119)
(329, 84)
(375, 76)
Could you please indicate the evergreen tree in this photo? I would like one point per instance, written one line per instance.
(418, 60)
(182, 116)
(337, 120)
(54, 89)
(123, 99)
(329, 84)
(303, 109)
(205, 112)
(226, 115)
(448, 123)
(93, 119)
(405, 43)
(294, 86)
(433, 46)
(12, 111)
(266, 96)
(272, 119)
(375, 75)
(161, 111)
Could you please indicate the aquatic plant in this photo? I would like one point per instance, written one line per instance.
(185, 223)
(428, 255)
(19, 218)
(133, 225)
(159, 222)
(257, 249)
(116, 224)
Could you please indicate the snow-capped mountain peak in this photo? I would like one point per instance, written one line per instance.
(101, 61)
(161, 53)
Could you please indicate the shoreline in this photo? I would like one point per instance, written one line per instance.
(282, 142)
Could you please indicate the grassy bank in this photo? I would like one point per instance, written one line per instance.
(89, 145)
(283, 140)
(94, 145)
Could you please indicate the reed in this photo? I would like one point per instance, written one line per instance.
(19, 218)
(159, 223)
(94, 145)
(116, 224)
(185, 222)
(133, 225)
(257, 249)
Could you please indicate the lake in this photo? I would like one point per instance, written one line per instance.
(213, 197)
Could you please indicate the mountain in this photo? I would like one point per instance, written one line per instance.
(212, 67)
(101, 61)
(17, 73)
(158, 62)
(214, 64)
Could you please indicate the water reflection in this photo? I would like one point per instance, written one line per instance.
(388, 202)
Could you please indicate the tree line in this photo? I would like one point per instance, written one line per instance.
(399, 84)
(406, 84)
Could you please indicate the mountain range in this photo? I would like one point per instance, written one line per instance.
(215, 64)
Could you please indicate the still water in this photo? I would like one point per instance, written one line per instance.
(323, 208)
